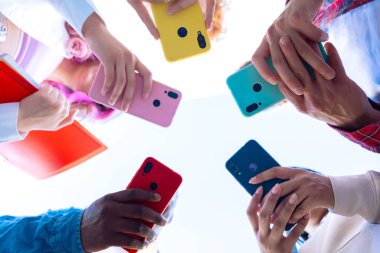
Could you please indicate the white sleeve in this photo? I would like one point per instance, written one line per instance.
(358, 195)
(8, 123)
(75, 12)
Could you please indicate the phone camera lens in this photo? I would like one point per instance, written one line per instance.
(201, 40)
(253, 167)
(148, 167)
(182, 32)
(156, 103)
(153, 186)
(172, 95)
(257, 87)
(251, 108)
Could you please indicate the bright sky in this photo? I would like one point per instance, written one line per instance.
(207, 130)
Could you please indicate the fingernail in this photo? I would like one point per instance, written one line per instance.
(272, 80)
(170, 11)
(259, 190)
(284, 41)
(145, 244)
(112, 101)
(276, 189)
(299, 91)
(330, 75)
(125, 108)
(293, 199)
(157, 196)
(253, 180)
(146, 95)
(325, 36)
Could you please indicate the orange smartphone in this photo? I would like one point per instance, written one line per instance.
(155, 177)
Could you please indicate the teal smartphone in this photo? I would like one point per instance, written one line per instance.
(253, 94)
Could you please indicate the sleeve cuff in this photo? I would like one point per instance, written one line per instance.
(75, 13)
(354, 195)
(8, 123)
(66, 232)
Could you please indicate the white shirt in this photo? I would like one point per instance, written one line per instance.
(354, 224)
(43, 20)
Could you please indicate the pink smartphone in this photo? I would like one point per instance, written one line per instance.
(159, 108)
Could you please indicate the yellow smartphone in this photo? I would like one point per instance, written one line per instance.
(183, 34)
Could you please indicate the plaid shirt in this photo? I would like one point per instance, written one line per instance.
(369, 136)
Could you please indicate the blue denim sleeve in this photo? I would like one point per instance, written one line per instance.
(54, 231)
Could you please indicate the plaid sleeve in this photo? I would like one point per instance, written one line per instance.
(368, 137)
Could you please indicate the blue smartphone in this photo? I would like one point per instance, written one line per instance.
(250, 161)
(253, 94)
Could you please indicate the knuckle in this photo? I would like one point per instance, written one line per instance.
(295, 18)
(264, 215)
(279, 26)
(140, 229)
(132, 194)
(139, 211)
(278, 62)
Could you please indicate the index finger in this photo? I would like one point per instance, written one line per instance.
(276, 172)
(133, 195)
(267, 209)
(145, 16)
(210, 9)
(259, 60)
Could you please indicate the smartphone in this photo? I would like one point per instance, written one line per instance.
(249, 161)
(253, 94)
(159, 108)
(155, 177)
(183, 34)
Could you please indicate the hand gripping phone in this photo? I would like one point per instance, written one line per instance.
(155, 177)
(253, 94)
(159, 108)
(250, 161)
(183, 34)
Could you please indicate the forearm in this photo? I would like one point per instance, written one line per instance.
(8, 123)
(55, 231)
(358, 195)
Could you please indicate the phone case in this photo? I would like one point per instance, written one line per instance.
(159, 108)
(250, 161)
(183, 34)
(155, 176)
(253, 94)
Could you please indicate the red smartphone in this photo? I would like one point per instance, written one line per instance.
(156, 177)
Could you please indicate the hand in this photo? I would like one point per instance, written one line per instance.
(313, 190)
(175, 6)
(295, 22)
(112, 220)
(272, 240)
(47, 110)
(119, 63)
(339, 102)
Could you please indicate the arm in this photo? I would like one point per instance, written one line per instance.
(55, 231)
(8, 123)
(358, 195)
(368, 136)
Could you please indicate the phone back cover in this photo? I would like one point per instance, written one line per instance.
(159, 108)
(181, 33)
(250, 161)
(166, 180)
(251, 92)
(43, 154)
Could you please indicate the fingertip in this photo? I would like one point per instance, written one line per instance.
(253, 180)
(325, 36)
(157, 196)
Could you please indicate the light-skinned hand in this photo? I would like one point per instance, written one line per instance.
(272, 239)
(120, 64)
(313, 190)
(47, 110)
(339, 102)
(296, 23)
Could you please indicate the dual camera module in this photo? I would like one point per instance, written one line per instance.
(170, 94)
(148, 167)
(182, 33)
(254, 106)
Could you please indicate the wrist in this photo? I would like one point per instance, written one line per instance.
(369, 116)
(93, 25)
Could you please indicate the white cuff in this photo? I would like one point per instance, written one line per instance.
(75, 12)
(8, 123)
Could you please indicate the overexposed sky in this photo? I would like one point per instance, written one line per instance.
(207, 130)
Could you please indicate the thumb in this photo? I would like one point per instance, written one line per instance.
(69, 119)
(334, 60)
(179, 5)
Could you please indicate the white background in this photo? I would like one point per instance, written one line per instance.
(207, 130)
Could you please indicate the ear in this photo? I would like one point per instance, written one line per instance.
(78, 48)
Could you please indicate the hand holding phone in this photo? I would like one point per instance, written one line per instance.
(155, 177)
(250, 161)
(253, 94)
(182, 34)
(159, 108)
